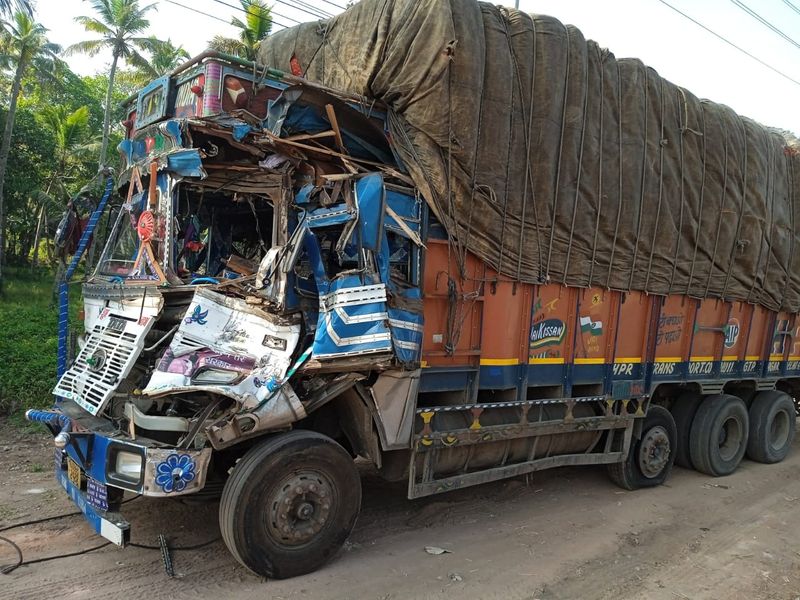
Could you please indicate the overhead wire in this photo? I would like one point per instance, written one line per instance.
(307, 8)
(199, 12)
(792, 6)
(339, 6)
(730, 43)
(215, 17)
(271, 12)
(765, 22)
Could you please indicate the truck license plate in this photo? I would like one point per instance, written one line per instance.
(96, 494)
(74, 473)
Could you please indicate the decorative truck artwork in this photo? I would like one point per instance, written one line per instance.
(306, 270)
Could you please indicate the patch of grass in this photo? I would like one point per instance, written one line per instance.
(29, 341)
(36, 468)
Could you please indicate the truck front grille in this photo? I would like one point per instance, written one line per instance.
(103, 362)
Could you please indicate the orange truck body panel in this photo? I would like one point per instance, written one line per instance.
(501, 335)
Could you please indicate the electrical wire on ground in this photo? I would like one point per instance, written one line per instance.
(6, 569)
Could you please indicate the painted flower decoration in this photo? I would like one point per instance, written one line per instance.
(175, 472)
(198, 316)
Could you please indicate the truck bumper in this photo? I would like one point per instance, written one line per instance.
(95, 469)
(111, 525)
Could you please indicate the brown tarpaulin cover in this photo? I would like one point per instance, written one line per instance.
(554, 161)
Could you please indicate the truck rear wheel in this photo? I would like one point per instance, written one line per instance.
(772, 427)
(651, 457)
(289, 504)
(683, 412)
(719, 434)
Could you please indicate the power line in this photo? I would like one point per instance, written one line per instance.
(200, 12)
(764, 22)
(792, 6)
(271, 12)
(742, 50)
(339, 6)
(307, 8)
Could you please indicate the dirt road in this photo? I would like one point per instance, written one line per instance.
(567, 533)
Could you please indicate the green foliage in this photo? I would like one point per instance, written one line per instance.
(29, 342)
(164, 57)
(256, 26)
(118, 24)
(8, 7)
(30, 162)
(69, 90)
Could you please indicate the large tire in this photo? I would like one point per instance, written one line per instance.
(772, 427)
(650, 457)
(719, 434)
(683, 411)
(290, 504)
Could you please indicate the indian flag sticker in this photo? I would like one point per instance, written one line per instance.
(589, 326)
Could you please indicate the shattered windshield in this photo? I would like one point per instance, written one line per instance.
(121, 249)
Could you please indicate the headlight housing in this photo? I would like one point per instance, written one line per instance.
(125, 466)
(216, 376)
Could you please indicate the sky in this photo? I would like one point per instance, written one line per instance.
(676, 47)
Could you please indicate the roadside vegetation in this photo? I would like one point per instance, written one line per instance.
(56, 127)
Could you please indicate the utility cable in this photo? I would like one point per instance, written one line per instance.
(245, 11)
(221, 20)
(792, 6)
(339, 6)
(740, 49)
(6, 569)
(307, 8)
(764, 22)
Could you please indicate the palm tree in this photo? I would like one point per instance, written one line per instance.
(164, 58)
(24, 44)
(74, 142)
(9, 7)
(118, 23)
(256, 26)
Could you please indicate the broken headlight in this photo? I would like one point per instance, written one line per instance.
(216, 376)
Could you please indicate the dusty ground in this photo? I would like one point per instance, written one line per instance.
(567, 533)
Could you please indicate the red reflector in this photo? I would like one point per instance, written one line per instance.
(81, 315)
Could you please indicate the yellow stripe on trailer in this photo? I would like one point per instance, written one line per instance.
(590, 361)
(546, 361)
(499, 362)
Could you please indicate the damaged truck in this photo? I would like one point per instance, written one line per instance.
(457, 241)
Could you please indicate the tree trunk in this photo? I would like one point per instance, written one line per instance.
(5, 148)
(107, 115)
(37, 239)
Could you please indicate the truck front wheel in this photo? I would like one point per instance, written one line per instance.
(289, 504)
(651, 457)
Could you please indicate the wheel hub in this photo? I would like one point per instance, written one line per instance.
(730, 438)
(299, 507)
(654, 452)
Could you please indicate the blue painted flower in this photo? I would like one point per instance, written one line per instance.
(198, 316)
(175, 472)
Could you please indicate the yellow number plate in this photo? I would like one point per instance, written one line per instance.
(74, 472)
